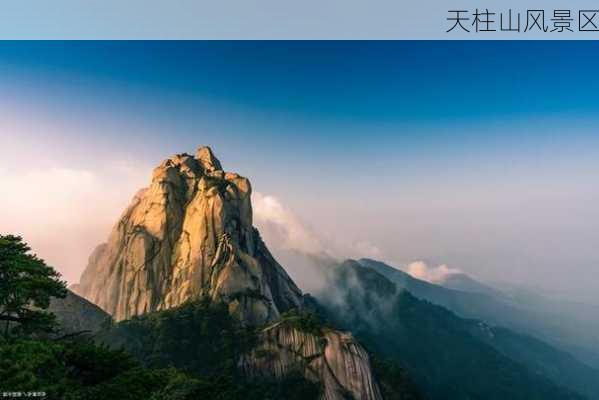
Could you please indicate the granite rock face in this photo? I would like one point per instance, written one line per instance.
(190, 234)
(333, 358)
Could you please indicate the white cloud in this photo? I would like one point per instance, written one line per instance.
(421, 270)
(280, 227)
(64, 212)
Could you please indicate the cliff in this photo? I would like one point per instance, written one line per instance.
(189, 235)
(334, 358)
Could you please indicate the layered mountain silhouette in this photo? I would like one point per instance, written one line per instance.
(569, 326)
(464, 283)
(448, 356)
(189, 236)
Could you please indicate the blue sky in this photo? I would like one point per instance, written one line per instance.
(353, 81)
(479, 155)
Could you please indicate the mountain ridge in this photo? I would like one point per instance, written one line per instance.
(578, 335)
(439, 348)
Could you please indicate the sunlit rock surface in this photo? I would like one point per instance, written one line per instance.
(190, 234)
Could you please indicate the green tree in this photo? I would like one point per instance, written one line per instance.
(26, 286)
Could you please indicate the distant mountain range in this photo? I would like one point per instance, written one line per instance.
(448, 356)
(464, 283)
(570, 326)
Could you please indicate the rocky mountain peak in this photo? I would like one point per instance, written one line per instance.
(189, 234)
(207, 159)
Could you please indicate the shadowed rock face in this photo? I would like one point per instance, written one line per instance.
(190, 234)
(75, 314)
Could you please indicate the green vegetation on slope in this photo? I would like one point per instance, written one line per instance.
(201, 339)
(303, 321)
(570, 327)
(181, 354)
(78, 370)
(395, 382)
(443, 353)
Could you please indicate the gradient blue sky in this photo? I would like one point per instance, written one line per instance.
(479, 155)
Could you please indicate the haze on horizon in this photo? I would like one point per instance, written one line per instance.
(479, 156)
